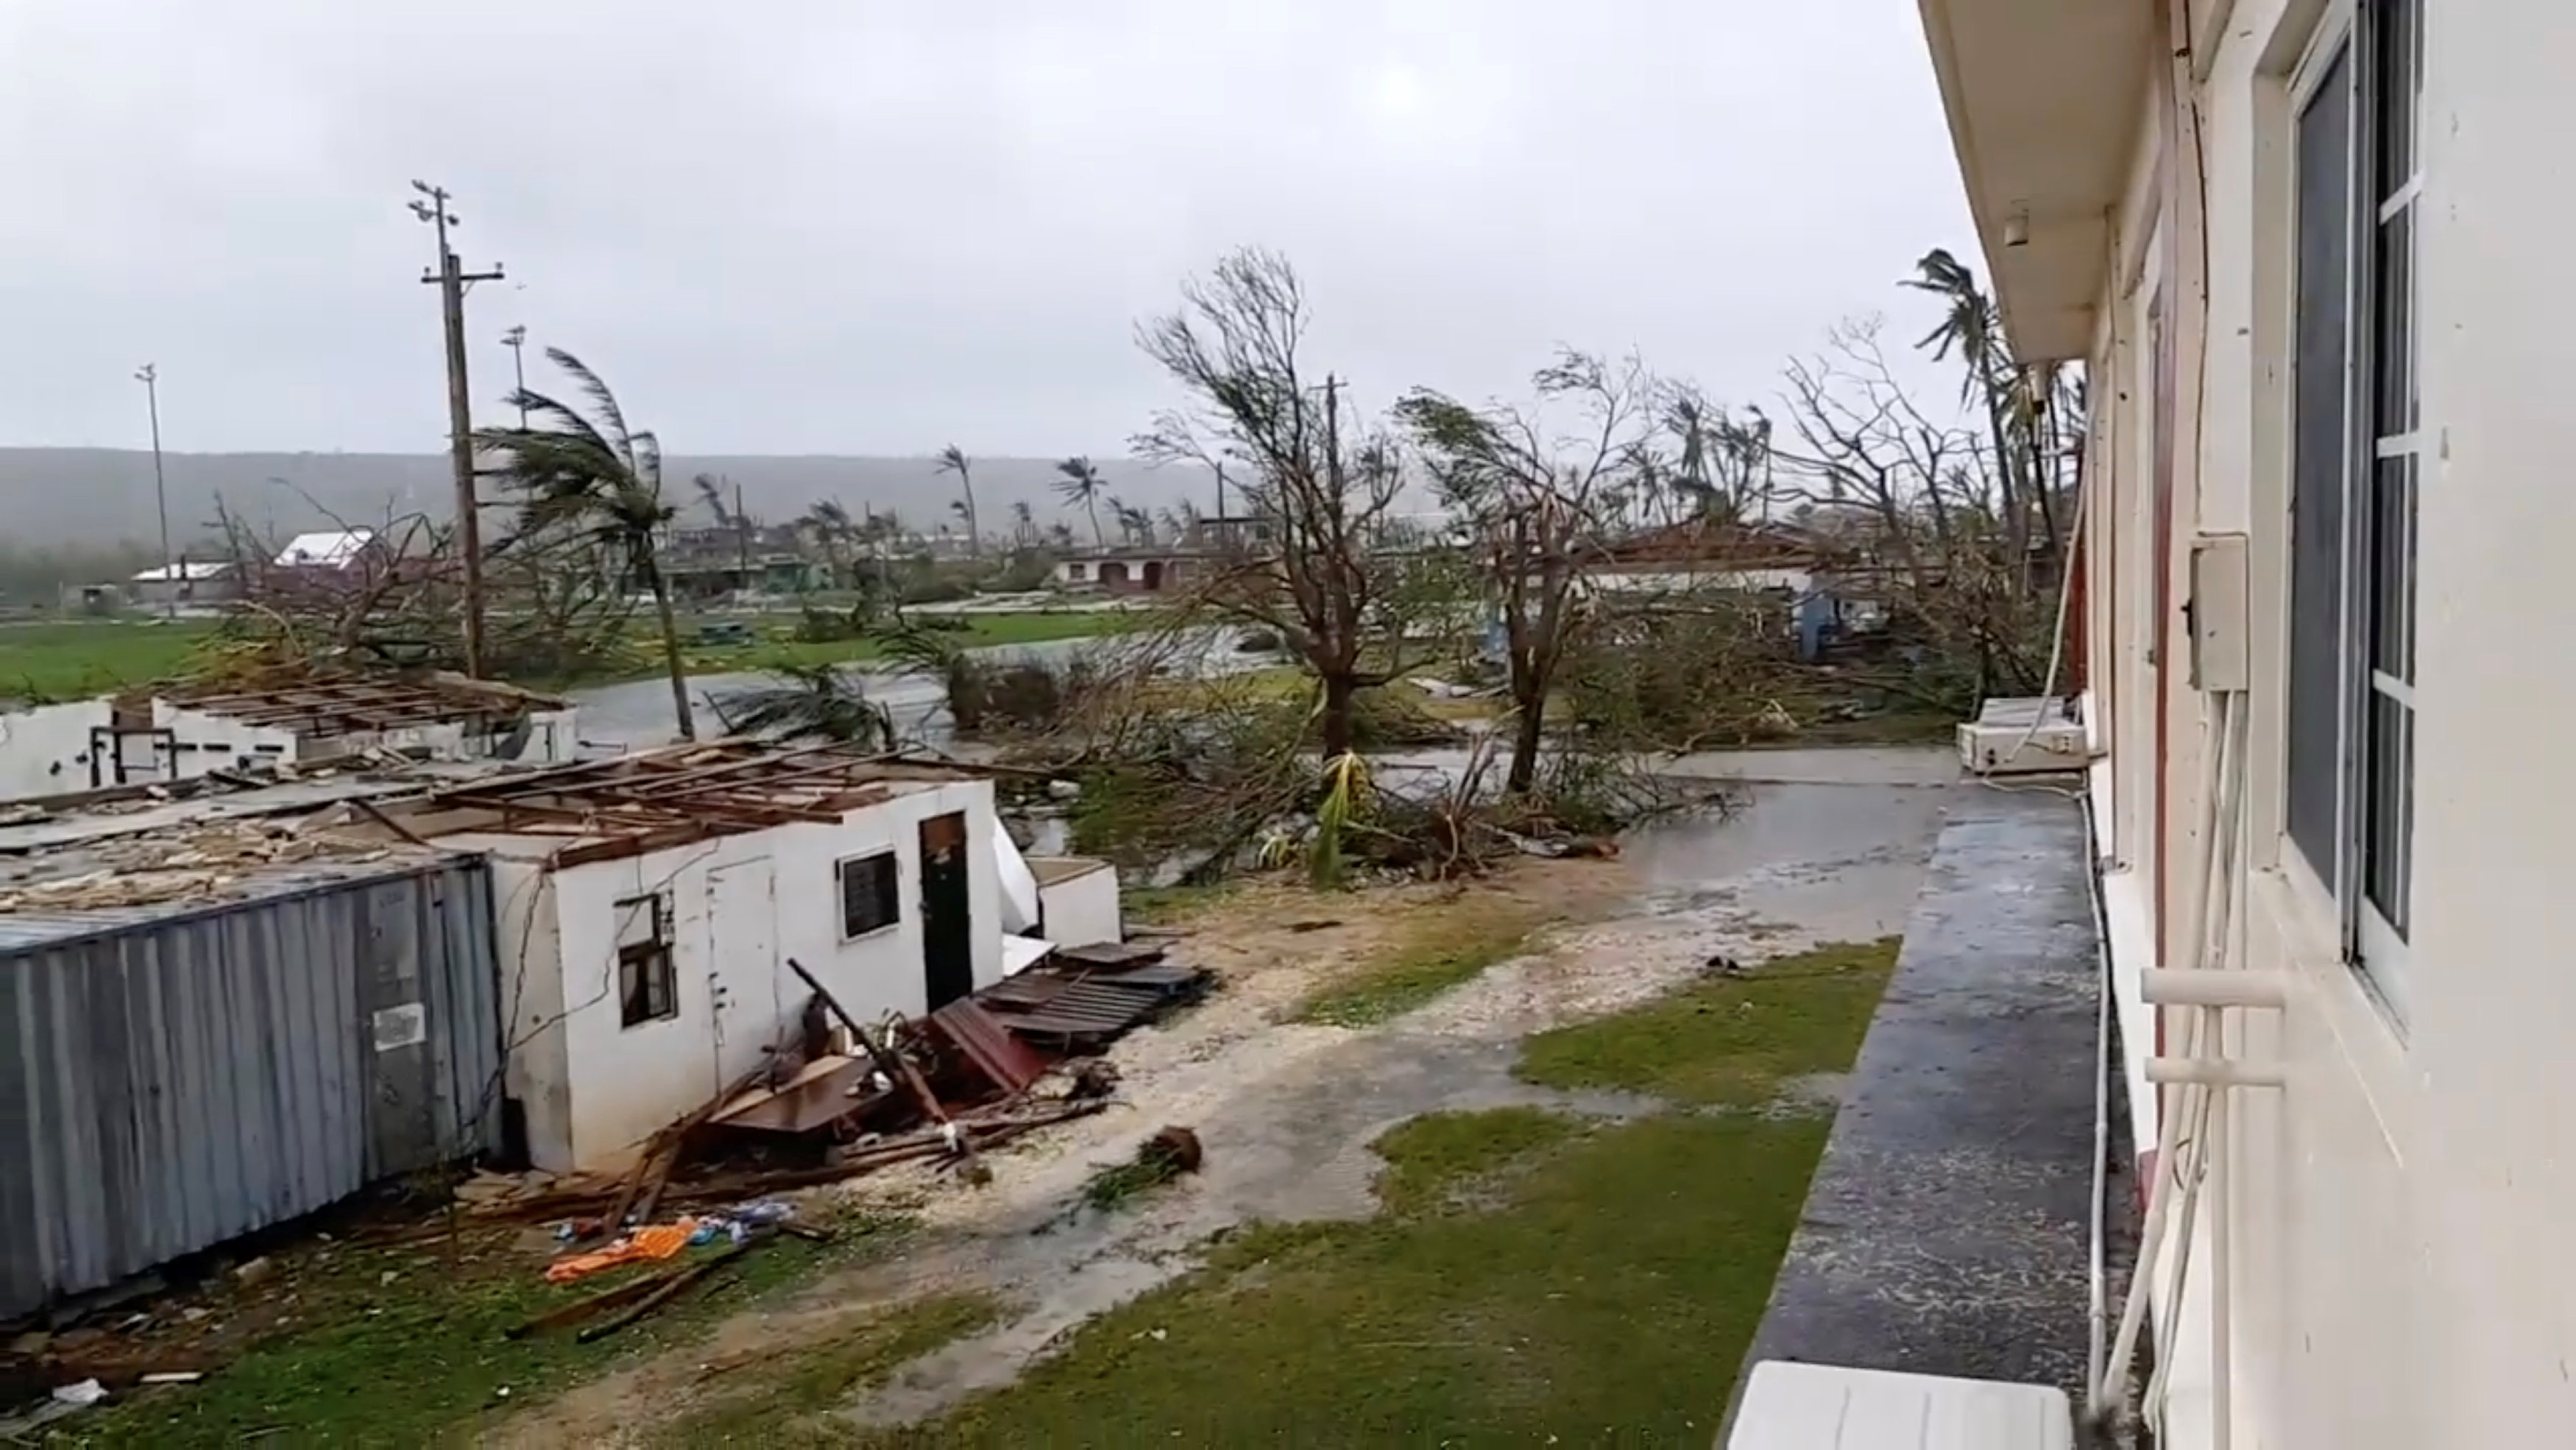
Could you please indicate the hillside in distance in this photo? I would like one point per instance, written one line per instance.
(53, 497)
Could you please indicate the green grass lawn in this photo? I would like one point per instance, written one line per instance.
(420, 1359)
(777, 651)
(73, 659)
(1532, 1278)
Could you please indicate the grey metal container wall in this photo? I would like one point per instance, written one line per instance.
(172, 1082)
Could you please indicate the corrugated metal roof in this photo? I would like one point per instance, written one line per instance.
(26, 931)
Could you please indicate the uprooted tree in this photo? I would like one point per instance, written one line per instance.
(1537, 503)
(1307, 460)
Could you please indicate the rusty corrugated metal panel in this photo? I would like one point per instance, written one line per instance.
(1010, 1063)
(168, 1084)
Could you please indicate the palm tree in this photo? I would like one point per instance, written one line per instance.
(1081, 484)
(953, 459)
(809, 702)
(1024, 523)
(601, 478)
(828, 522)
(1060, 534)
(1973, 326)
(1134, 524)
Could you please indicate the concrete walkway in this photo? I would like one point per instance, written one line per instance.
(1948, 1228)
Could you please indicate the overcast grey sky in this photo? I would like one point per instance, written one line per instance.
(856, 226)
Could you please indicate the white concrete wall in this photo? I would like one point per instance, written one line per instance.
(2403, 1278)
(45, 750)
(1078, 910)
(207, 742)
(593, 1087)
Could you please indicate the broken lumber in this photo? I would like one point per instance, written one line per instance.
(580, 1309)
(888, 1060)
(679, 1283)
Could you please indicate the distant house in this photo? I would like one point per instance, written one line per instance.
(1156, 567)
(189, 581)
(327, 549)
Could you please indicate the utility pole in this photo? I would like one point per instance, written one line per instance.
(149, 375)
(451, 279)
(516, 340)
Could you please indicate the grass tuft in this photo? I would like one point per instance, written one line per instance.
(1433, 1161)
(1728, 1041)
(786, 1397)
(1443, 953)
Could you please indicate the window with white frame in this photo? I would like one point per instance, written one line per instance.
(2359, 445)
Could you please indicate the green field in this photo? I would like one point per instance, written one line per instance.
(72, 659)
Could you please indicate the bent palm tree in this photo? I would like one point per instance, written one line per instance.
(1082, 484)
(1024, 523)
(828, 522)
(953, 459)
(809, 702)
(600, 478)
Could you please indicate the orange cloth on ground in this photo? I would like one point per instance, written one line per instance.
(652, 1241)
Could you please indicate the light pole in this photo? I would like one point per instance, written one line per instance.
(149, 376)
(516, 340)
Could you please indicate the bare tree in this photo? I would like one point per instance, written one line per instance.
(953, 459)
(1937, 523)
(1307, 461)
(1537, 490)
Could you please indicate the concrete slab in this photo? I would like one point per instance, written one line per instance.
(1947, 1231)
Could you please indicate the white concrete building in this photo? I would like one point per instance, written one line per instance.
(648, 907)
(2312, 254)
(184, 730)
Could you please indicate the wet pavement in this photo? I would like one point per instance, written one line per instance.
(1949, 1227)
(1288, 1114)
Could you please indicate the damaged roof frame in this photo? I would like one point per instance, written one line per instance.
(637, 804)
(329, 704)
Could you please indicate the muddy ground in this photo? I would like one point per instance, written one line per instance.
(1829, 848)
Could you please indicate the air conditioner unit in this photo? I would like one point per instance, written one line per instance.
(2022, 737)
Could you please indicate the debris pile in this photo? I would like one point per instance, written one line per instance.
(849, 1097)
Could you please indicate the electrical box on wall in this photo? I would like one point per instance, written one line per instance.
(2217, 611)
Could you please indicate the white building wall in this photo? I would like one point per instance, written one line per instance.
(1078, 908)
(204, 742)
(45, 750)
(2402, 1275)
(593, 1087)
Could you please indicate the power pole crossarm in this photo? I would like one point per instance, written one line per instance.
(451, 279)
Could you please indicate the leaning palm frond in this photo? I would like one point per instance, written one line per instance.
(808, 702)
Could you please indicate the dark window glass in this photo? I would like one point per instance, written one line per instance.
(870, 900)
(647, 985)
